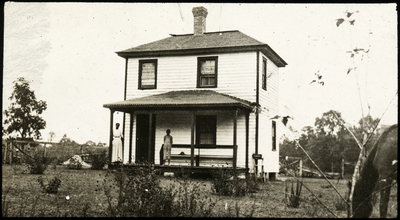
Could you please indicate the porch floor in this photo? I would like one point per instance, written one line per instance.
(179, 168)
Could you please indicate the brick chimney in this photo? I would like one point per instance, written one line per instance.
(199, 14)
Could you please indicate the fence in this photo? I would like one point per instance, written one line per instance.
(7, 152)
(12, 150)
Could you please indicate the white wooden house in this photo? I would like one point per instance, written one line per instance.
(215, 91)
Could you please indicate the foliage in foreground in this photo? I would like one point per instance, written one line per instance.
(82, 194)
(37, 163)
(98, 160)
(52, 186)
(140, 194)
(228, 183)
(293, 198)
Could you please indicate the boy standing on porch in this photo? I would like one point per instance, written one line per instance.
(167, 146)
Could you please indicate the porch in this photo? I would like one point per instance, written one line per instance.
(210, 130)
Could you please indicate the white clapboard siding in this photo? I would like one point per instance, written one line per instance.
(271, 157)
(236, 75)
(269, 101)
(252, 140)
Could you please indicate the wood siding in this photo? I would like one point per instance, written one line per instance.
(236, 75)
(269, 101)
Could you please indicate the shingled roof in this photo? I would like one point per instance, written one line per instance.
(211, 42)
(183, 99)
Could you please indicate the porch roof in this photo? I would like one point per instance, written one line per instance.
(182, 99)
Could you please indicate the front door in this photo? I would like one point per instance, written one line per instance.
(145, 136)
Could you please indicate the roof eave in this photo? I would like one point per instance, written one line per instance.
(122, 107)
(195, 51)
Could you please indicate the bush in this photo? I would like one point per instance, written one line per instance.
(190, 200)
(293, 199)
(38, 162)
(99, 160)
(140, 194)
(226, 182)
(340, 204)
(52, 186)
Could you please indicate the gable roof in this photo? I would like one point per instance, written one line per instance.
(212, 42)
(182, 99)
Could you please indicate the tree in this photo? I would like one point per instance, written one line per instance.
(327, 146)
(52, 135)
(23, 114)
(66, 141)
(90, 143)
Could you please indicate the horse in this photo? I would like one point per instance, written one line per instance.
(379, 170)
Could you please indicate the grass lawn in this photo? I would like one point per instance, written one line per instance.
(22, 196)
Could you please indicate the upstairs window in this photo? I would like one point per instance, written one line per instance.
(207, 69)
(147, 74)
(264, 74)
(206, 130)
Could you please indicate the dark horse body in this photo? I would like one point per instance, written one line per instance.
(379, 168)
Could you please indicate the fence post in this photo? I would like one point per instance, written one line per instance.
(300, 167)
(10, 155)
(4, 148)
(342, 173)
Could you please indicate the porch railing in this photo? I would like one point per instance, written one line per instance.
(228, 159)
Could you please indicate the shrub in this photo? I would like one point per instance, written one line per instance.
(293, 199)
(140, 194)
(226, 182)
(38, 162)
(190, 200)
(340, 204)
(99, 160)
(235, 212)
(221, 182)
(52, 186)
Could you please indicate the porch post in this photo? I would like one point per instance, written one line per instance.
(235, 113)
(150, 136)
(192, 138)
(247, 140)
(111, 134)
(130, 135)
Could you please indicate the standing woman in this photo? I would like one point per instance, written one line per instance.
(167, 146)
(117, 144)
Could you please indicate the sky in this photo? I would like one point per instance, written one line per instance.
(67, 53)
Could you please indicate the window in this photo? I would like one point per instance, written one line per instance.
(147, 74)
(264, 74)
(206, 130)
(273, 135)
(207, 72)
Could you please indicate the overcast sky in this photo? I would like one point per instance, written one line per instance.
(67, 52)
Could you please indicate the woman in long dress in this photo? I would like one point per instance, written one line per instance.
(117, 144)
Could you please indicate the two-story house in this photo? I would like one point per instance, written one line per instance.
(215, 91)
